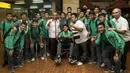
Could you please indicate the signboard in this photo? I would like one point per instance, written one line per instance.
(5, 5)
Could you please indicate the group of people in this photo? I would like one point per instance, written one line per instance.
(91, 36)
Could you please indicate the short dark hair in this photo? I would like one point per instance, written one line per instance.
(15, 16)
(69, 12)
(75, 14)
(101, 24)
(38, 13)
(97, 7)
(102, 14)
(8, 13)
(81, 11)
(35, 20)
(69, 8)
(92, 12)
(24, 22)
(65, 25)
(46, 12)
(63, 13)
(23, 13)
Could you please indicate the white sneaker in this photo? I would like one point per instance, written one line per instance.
(48, 54)
(70, 59)
(103, 65)
(42, 58)
(73, 61)
(33, 59)
(79, 63)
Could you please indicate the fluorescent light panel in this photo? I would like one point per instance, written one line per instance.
(37, 1)
(41, 9)
(19, 2)
(33, 7)
(47, 6)
(16, 8)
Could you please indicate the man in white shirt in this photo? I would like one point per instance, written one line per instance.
(123, 29)
(53, 26)
(80, 37)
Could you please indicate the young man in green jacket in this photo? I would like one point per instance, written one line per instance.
(35, 35)
(108, 23)
(5, 27)
(24, 18)
(45, 33)
(112, 45)
(14, 38)
(19, 45)
(93, 22)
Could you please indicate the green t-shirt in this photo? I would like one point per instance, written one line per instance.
(5, 26)
(69, 21)
(86, 22)
(35, 32)
(44, 30)
(39, 21)
(65, 34)
(93, 26)
(82, 19)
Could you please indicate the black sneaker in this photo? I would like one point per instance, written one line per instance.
(112, 69)
(4, 64)
(122, 70)
(98, 66)
(106, 70)
(109, 70)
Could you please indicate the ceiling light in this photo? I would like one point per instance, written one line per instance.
(47, 6)
(16, 8)
(19, 2)
(37, 1)
(33, 7)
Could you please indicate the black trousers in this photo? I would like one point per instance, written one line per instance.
(80, 51)
(35, 51)
(18, 56)
(10, 59)
(124, 56)
(5, 57)
(96, 52)
(53, 47)
(107, 55)
(26, 49)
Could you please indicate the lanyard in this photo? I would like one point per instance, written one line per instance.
(55, 29)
